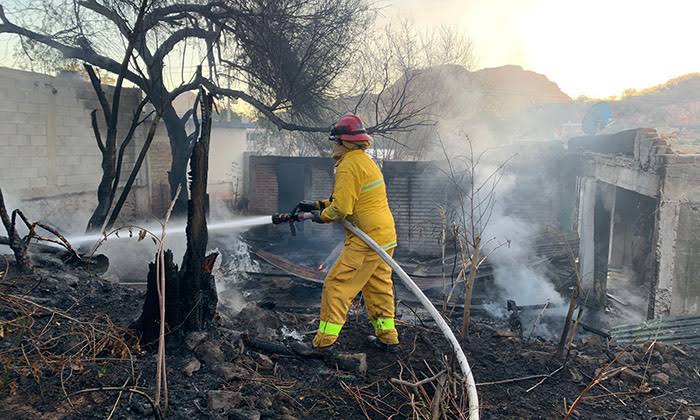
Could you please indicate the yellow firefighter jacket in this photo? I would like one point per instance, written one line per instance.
(359, 194)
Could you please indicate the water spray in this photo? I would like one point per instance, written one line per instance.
(179, 229)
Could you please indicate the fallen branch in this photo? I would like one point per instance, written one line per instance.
(545, 378)
(616, 299)
(116, 403)
(511, 380)
(537, 320)
(419, 383)
(679, 350)
(448, 392)
(354, 362)
(437, 399)
(664, 394)
(618, 394)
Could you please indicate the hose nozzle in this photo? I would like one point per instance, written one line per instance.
(278, 218)
(291, 218)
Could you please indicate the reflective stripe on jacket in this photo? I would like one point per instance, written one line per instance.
(359, 193)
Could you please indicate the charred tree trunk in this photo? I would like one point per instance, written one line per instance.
(15, 242)
(149, 321)
(190, 293)
(198, 289)
(109, 158)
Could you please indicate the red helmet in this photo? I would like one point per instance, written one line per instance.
(349, 128)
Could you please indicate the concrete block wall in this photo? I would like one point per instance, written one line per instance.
(686, 287)
(416, 190)
(159, 160)
(411, 189)
(322, 180)
(48, 153)
(533, 183)
(652, 169)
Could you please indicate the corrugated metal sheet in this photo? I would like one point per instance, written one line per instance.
(675, 330)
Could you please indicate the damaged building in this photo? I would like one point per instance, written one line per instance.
(638, 220)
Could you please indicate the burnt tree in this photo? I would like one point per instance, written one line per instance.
(16, 243)
(199, 291)
(111, 158)
(287, 58)
(190, 292)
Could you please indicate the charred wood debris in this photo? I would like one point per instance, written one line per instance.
(66, 347)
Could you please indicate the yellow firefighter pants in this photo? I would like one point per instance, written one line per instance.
(356, 270)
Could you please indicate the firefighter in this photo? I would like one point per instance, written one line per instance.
(359, 194)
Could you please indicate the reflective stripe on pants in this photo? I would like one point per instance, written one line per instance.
(329, 328)
(383, 324)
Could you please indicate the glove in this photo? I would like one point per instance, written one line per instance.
(317, 217)
(308, 205)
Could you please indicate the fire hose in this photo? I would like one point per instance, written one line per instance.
(418, 293)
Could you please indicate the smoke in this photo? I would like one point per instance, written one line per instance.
(230, 274)
(516, 279)
(507, 199)
(68, 219)
(129, 258)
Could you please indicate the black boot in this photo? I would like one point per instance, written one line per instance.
(378, 344)
(308, 350)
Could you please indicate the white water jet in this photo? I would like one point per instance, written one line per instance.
(179, 229)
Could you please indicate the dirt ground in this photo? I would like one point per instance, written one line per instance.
(64, 343)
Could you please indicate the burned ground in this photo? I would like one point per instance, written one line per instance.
(66, 331)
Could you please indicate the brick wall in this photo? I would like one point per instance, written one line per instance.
(48, 154)
(263, 185)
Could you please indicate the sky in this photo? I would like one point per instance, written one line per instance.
(596, 48)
